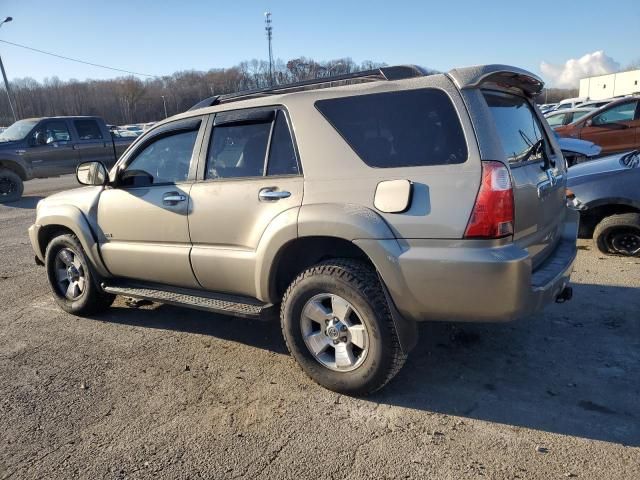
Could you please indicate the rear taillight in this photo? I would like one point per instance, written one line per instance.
(492, 215)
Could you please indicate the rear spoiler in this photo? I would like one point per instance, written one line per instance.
(500, 75)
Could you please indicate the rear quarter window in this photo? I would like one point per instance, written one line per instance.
(410, 128)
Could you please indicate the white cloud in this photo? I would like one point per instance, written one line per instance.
(569, 74)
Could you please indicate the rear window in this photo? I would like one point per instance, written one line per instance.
(518, 127)
(88, 129)
(399, 129)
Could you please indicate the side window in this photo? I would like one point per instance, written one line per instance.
(282, 155)
(399, 129)
(88, 129)
(238, 150)
(166, 159)
(52, 132)
(619, 113)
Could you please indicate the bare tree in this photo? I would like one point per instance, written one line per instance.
(131, 100)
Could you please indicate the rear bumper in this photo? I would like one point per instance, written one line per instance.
(467, 281)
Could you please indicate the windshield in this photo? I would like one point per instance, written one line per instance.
(18, 130)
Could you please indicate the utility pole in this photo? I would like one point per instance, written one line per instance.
(269, 29)
(4, 76)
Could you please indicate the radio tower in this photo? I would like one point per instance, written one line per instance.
(269, 29)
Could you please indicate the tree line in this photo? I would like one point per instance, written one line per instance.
(127, 100)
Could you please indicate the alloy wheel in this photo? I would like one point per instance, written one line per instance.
(70, 274)
(334, 332)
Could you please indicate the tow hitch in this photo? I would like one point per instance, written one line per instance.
(565, 295)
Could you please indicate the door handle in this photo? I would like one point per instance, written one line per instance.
(76, 147)
(172, 198)
(270, 194)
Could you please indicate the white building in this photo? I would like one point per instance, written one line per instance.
(612, 85)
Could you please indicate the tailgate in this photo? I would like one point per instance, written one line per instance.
(537, 171)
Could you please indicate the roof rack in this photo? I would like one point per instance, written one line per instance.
(398, 72)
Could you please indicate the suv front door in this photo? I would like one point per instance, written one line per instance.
(248, 176)
(142, 220)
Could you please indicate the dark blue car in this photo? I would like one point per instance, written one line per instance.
(607, 193)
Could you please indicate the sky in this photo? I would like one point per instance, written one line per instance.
(560, 40)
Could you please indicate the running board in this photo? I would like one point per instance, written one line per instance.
(200, 300)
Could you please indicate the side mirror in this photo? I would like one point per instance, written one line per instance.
(92, 173)
(588, 123)
(135, 178)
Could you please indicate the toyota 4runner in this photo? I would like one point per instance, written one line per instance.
(359, 204)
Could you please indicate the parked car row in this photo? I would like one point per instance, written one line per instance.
(570, 103)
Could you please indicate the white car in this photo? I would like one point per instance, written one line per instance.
(570, 103)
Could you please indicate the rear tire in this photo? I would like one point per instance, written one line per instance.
(11, 186)
(619, 234)
(72, 279)
(361, 353)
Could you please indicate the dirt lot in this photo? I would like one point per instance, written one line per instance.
(173, 393)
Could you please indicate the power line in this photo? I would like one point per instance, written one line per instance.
(79, 61)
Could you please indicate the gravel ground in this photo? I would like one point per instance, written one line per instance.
(172, 393)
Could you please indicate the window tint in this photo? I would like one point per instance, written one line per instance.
(518, 127)
(88, 129)
(238, 150)
(167, 158)
(399, 129)
(282, 155)
(620, 113)
(56, 131)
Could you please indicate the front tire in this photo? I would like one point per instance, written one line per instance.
(11, 186)
(73, 281)
(337, 325)
(619, 234)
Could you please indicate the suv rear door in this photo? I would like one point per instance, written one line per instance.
(538, 173)
(248, 175)
(92, 142)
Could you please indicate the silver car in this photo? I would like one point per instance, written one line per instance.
(357, 205)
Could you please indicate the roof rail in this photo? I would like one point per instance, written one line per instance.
(398, 72)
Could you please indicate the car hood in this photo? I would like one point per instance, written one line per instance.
(600, 166)
(583, 147)
(9, 144)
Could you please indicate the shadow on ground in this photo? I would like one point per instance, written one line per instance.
(27, 203)
(573, 369)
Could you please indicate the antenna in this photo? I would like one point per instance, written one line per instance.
(269, 29)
